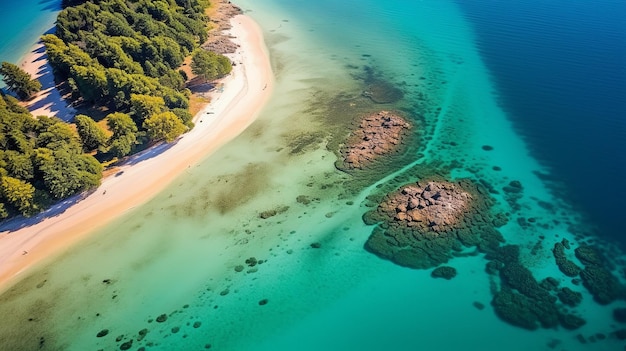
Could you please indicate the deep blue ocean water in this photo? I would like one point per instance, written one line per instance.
(560, 71)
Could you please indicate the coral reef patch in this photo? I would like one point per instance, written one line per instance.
(523, 301)
(597, 277)
(423, 224)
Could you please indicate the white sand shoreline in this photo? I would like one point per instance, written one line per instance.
(245, 93)
(48, 101)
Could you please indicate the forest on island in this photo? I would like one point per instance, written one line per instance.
(123, 57)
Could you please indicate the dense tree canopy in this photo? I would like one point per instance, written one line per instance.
(19, 81)
(40, 160)
(124, 136)
(210, 65)
(91, 135)
(164, 126)
(126, 56)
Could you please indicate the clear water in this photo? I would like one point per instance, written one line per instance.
(177, 254)
(21, 25)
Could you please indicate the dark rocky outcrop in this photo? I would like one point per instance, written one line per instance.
(588, 255)
(596, 276)
(569, 297)
(571, 322)
(524, 302)
(619, 314)
(445, 272)
(566, 266)
(377, 135)
(161, 318)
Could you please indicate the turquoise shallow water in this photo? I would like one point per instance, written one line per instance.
(23, 22)
(177, 254)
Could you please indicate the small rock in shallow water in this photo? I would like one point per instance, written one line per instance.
(127, 345)
(102, 333)
(263, 302)
(478, 305)
(444, 272)
(316, 245)
(162, 318)
(238, 268)
(224, 292)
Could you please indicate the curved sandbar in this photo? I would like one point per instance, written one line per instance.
(245, 93)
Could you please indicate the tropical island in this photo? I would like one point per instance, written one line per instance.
(127, 68)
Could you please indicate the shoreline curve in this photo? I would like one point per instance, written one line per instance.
(246, 91)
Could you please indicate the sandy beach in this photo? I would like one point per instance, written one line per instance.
(32, 241)
(48, 101)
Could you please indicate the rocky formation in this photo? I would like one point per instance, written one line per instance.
(619, 314)
(424, 223)
(568, 267)
(445, 272)
(377, 135)
(432, 208)
(220, 20)
(569, 297)
(524, 302)
(596, 277)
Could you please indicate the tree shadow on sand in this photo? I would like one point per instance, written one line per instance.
(20, 222)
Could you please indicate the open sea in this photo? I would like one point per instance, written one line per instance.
(529, 91)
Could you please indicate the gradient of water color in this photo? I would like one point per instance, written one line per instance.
(177, 254)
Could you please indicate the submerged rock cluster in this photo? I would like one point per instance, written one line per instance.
(378, 134)
(596, 277)
(523, 301)
(423, 224)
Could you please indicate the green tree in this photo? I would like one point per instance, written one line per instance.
(164, 126)
(19, 165)
(91, 82)
(144, 106)
(66, 171)
(124, 136)
(209, 65)
(19, 194)
(90, 133)
(19, 81)
(55, 134)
